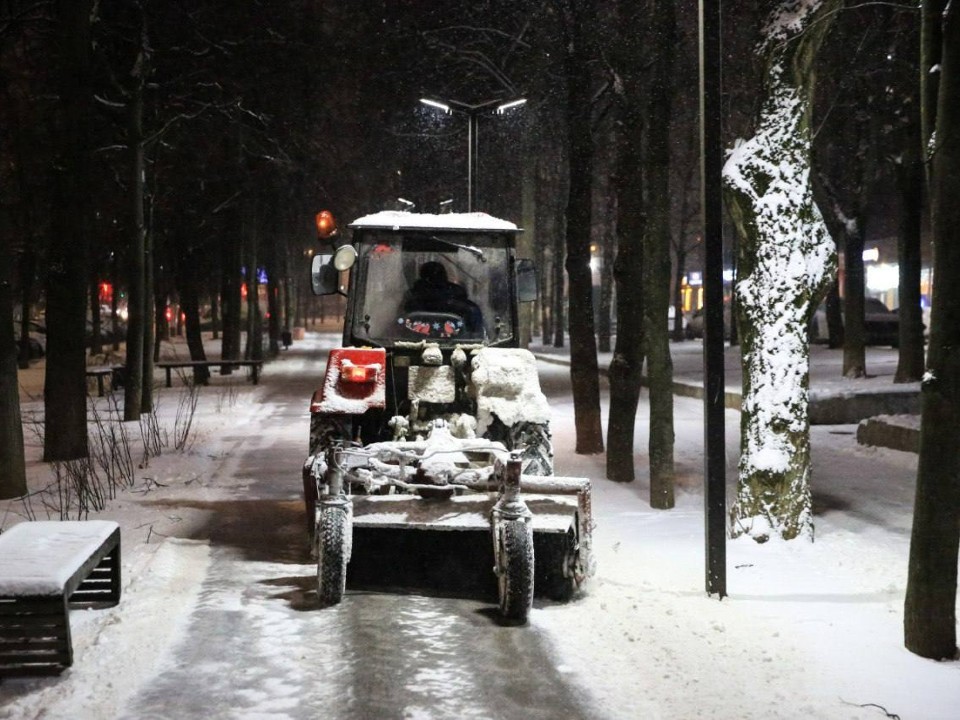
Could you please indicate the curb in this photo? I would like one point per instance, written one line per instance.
(898, 432)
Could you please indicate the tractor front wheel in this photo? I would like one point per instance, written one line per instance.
(515, 570)
(334, 530)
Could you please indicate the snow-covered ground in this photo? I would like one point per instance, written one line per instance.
(808, 630)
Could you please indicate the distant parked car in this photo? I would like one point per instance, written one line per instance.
(106, 331)
(695, 324)
(37, 339)
(882, 325)
(818, 330)
(672, 314)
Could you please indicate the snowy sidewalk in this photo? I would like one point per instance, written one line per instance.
(834, 399)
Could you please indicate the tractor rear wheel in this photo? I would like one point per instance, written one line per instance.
(515, 581)
(532, 438)
(325, 430)
(333, 541)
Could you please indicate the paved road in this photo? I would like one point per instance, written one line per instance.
(257, 646)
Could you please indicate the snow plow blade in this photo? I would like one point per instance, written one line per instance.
(445, 546)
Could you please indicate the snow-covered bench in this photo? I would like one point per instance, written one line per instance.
(45, 566)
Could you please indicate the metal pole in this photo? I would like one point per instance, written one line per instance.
(472, 157)
(711, 157)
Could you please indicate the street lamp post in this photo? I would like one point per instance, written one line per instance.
(473, 113)
(711, 161)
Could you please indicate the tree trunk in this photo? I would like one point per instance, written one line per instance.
(910, 184)
(13, 478)
(274, 304)
(626, 367)
(136, 298)
(843, 218)
(854, 280)
(786, 260)
(151, 343)
(930, 622)
(543, 301)
(288, 288)
(230, 295)
(584, 371)
(734, 309)
(28, 268)
(215, 313)
(115, 304)
(681, 257)
(834, 312)
(526, 243)
(931, 50)
(65, 383)
(190, 304)
(96, 327)
(608, 253)
(550, 164)
(254, 348)
(656, 248)
(160, 327)
(558, 299)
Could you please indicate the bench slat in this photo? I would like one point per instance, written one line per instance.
(55, 669)
(168, 366)
(32, 646)
(38, 615)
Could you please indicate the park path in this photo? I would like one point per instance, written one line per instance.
(257, 646)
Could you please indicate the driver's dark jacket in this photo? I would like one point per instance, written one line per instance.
(448, 298)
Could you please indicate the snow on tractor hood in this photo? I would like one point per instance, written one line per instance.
(507, 386)
(399, 220)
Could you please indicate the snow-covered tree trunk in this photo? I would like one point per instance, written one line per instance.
(786, 260)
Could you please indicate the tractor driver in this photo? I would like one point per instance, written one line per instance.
(433, 292)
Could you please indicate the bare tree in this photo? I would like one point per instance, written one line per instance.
(576, 25)
(930, 622)
(65, 388)
(656, 248)
(626, 367)
(13, 479)
(866, 141)
(684, 238)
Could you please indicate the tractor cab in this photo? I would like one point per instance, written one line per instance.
(447, 279)
(424, 292)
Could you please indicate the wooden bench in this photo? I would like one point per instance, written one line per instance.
(170, 365)
(46, 566)
(115, 372)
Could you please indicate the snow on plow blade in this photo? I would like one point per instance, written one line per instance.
(445, 546)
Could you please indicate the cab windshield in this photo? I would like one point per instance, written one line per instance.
(439, 287)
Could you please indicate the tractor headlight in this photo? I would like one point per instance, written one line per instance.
(345, 257)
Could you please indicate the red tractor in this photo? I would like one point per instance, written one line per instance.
(430, 458)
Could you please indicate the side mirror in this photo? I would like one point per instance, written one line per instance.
(324, 278)
(527, 286)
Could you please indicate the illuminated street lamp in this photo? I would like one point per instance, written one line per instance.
(473, 112)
